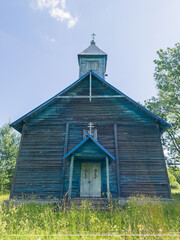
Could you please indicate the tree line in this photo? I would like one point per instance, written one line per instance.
(166, 104)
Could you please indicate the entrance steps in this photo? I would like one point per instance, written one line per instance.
(94, 203)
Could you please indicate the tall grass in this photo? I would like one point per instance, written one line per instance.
(139, 216)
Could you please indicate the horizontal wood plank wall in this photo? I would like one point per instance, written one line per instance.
(40, 161)
(81, 88)
(140, 160)
(163, 160)
(99, 88)
(117, 158)
(142, 168)
(98, 110)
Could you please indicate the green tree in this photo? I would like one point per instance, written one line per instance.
(176, 172)
(167, 103)
(9, 143)
(172, 179)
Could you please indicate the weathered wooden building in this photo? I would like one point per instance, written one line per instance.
(90, 138)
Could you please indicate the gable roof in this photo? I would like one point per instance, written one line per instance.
(81, 144)
(19, 122)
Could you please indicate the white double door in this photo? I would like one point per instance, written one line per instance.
(90, 179)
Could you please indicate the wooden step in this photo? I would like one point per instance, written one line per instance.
(92, 203)
(90, 200)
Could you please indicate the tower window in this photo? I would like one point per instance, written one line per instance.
(91, 65)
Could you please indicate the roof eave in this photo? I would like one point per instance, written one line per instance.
(103, 80)
(85, 140)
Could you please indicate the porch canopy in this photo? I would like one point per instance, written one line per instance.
(89, 149)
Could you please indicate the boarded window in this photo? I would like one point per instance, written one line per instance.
(91, 65)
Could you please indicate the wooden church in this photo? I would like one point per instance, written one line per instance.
(90, 140)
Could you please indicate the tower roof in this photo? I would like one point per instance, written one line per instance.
(93, 50)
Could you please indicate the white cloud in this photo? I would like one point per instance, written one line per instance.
(63, 3)
(47, 3)
(72, 22)
(56, 10)
(61, 15)
(41, 4)
(50, 39)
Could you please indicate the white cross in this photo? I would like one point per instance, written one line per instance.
(93, 36)
(90, 126)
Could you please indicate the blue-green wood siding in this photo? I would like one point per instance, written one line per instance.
(141, 162)
(39, 167)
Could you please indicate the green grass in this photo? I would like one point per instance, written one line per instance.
(37, 221)
(3, 197)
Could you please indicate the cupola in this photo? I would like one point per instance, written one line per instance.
(92, 59)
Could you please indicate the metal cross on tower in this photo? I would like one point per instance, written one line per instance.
(93, 36)
(90, 126)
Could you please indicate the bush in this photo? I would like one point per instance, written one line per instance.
(176, 173)
(172, 179)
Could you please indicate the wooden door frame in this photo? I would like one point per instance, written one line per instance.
(100, 176)
(71, 176)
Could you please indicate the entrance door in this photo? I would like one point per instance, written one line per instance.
(90, 180)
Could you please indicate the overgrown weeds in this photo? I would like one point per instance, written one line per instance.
(139, 216)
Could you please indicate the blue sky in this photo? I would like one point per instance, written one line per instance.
(40, 40)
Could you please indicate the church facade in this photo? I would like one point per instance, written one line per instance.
(90, 140)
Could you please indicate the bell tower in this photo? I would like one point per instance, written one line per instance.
(92, 59)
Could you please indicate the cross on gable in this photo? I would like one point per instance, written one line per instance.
(90, 126)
